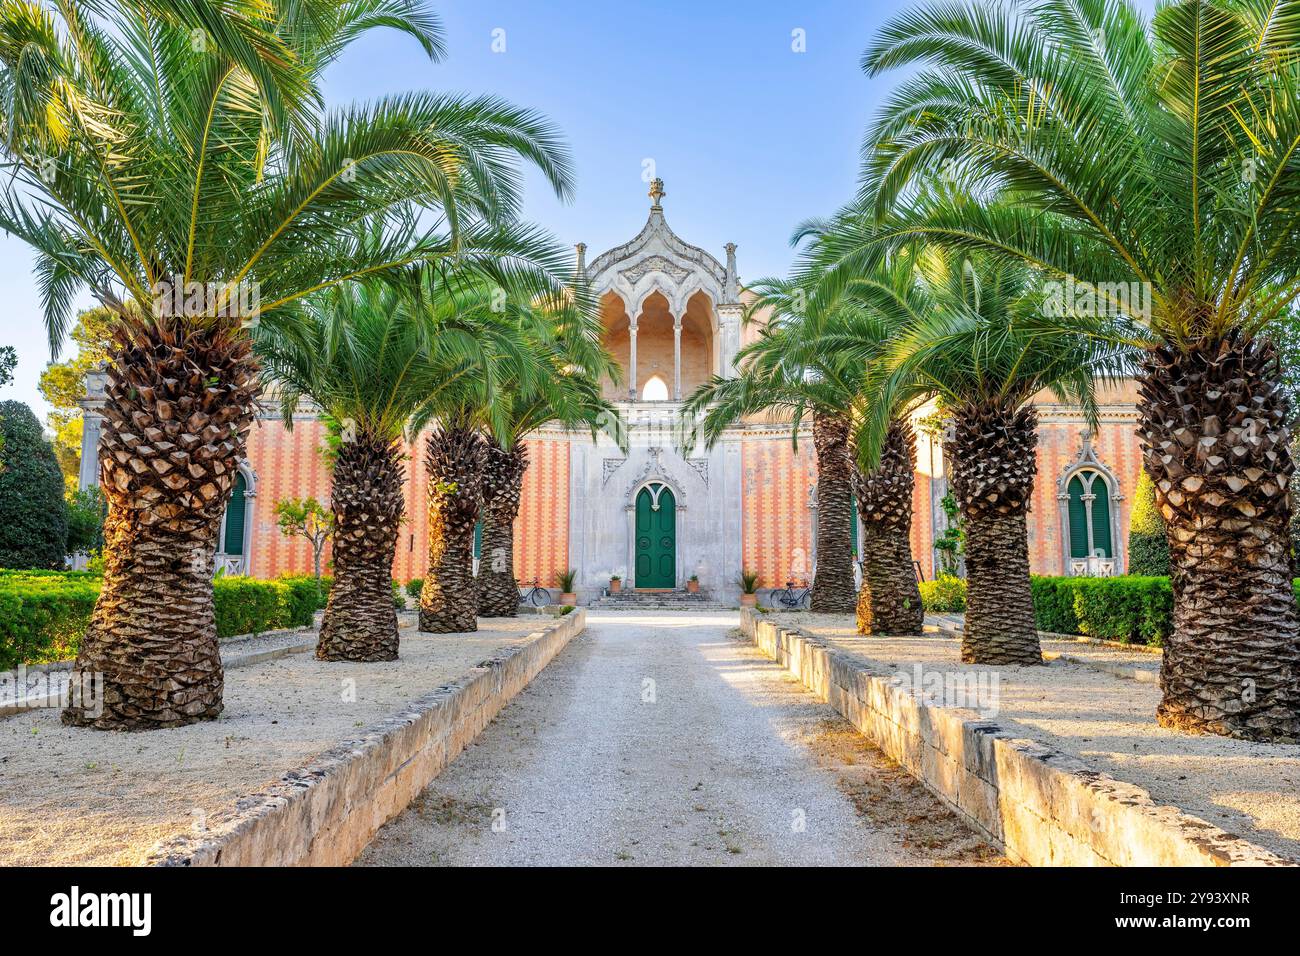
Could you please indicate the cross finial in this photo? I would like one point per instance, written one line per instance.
(656, 192)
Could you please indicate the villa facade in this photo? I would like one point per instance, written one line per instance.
(657, 514)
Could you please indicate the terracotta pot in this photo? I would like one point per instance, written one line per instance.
(615, 586)
(749, 600)
(692, 586)
(569, 597)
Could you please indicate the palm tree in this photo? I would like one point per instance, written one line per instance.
(873, 307)
(778, 372)
(980, 346)
(571, 396)
(457, 452)
(1159, 163)
(174, 159)
(379, 368)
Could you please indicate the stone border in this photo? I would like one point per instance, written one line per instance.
(325, 813)
(1040, 806)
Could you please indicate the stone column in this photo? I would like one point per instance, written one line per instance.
(630, 574)
(677, 358)
(631, 361)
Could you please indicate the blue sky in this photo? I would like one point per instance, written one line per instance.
(749, 136)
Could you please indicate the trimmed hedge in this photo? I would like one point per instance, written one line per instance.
(1131, 608)
(43, 615)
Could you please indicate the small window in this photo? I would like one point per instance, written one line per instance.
(655, 390)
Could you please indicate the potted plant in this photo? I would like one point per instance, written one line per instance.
(748, 589)
(567, 578)
(693, 584)
(615, 584)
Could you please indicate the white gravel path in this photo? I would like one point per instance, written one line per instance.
(662, 739)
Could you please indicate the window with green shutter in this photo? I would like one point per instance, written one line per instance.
(1078, 519)
(1082, 512)
(232, 540)
(1101, 543)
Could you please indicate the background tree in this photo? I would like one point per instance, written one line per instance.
(175, 160)
(33, 515)
(1148, 544)
(8, 362)
(86, 510)
(63, 386)
(306, 518)
(1155, 166)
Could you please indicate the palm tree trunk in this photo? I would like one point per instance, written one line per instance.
(991, 456)
(498, 591)
(179, 403)
(1215, 442)
(448, 602)
(889, 601)
(833, 589)
(360, 622)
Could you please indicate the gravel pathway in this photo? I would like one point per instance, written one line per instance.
(664, 739)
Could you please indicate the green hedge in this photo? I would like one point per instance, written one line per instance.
(1131, 608)
(43, 615)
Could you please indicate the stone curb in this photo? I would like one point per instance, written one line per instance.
(1106, 667)
(325, 813)
(1039, 805)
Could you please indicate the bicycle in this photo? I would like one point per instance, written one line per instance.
(534, 595)
(793, 597)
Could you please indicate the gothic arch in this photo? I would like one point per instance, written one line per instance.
(1089, 470)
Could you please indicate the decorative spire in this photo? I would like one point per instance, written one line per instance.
(731, 284)
(656, 193)
(582, 258)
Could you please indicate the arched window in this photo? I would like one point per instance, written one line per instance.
(655, 390)
(1088, 494)
(1089, 515)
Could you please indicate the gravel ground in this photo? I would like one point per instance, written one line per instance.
(75, 796)
(664, 739)
(1252, 790)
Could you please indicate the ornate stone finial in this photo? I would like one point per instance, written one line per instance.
(731, 285)
(656, 193)
(582, 257)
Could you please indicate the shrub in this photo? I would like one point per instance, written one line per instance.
(414, 587)
(946, 593)
(1130, 608)
(42, 617)
(33, 514)
(249, 606)
(304, 598)
(43, 614)
(1054, 604)
(1148, 548)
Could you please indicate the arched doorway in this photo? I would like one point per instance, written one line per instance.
(656, 537)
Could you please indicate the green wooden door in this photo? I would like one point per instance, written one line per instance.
(656, 539)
